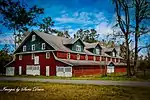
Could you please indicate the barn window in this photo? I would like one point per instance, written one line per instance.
(47, 55)
(78, 56)
(43, 46)
(86, 57)
(24, 48)
(33, 47)
(20, 57)
(78, 48)
(33, 37)
(94, 58)
(32, 56)
(68, 55)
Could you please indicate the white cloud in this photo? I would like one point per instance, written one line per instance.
(84, 18)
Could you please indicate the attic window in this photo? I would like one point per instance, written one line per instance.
(43, 46)
(97, 51)
(68, 55)
(78, 48)
(78, 56)
(33, 37)
(33, 47)
(24, 48)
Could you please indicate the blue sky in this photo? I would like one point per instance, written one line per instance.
(72, 15)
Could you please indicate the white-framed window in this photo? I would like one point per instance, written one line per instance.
(78, 56)
(32, 56)
(94, 58)
(86, 57)
(33, 47)
(33, 37)
(97, 51)
(36, 60)
(78, 48)
(20, 57)
(43, 46)
(47, 55)
(68, 55)
(24, 48)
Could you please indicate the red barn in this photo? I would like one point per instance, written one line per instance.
(44, 54)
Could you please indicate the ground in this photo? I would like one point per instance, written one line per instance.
(76, 92)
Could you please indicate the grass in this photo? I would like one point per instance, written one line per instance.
(114, 77)
(74, 92)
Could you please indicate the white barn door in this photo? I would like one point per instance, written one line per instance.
(47, 70)
(64, 71)
(10, 71)
(20, 70)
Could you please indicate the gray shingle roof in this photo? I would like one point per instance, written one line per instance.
(82, 62)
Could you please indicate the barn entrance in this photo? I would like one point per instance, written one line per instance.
(64, 71)
(110, 68)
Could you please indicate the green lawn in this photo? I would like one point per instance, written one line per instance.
(74, 92)
(115, 77)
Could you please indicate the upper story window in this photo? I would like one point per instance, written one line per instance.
(32, 56)
(78, 56)
(47, 55)
(78, 48)
(33, 37)
(43, 46)
(68, 55)
(98, 51)
(24, 48)
(33, 47)
(20, 57)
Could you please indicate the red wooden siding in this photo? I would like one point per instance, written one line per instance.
(82, 57)
(113, 59)
(62, 55)
(43, 62)
(90, 57)
(108, 58)
(120, 69)
(97, 58)
(87, 70)
(73, 56)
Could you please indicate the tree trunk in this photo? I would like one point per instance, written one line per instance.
(128, 57)
(136, 50)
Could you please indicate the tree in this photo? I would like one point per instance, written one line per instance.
(45, 26)
(4, 58)
(87, 35)
(17, 16)
(122, 9)
(142, 13)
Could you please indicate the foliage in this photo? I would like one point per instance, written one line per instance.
(87, 35)
(17, 16)
(4, 58)
(45, 26)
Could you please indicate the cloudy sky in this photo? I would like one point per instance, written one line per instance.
(72, 15)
